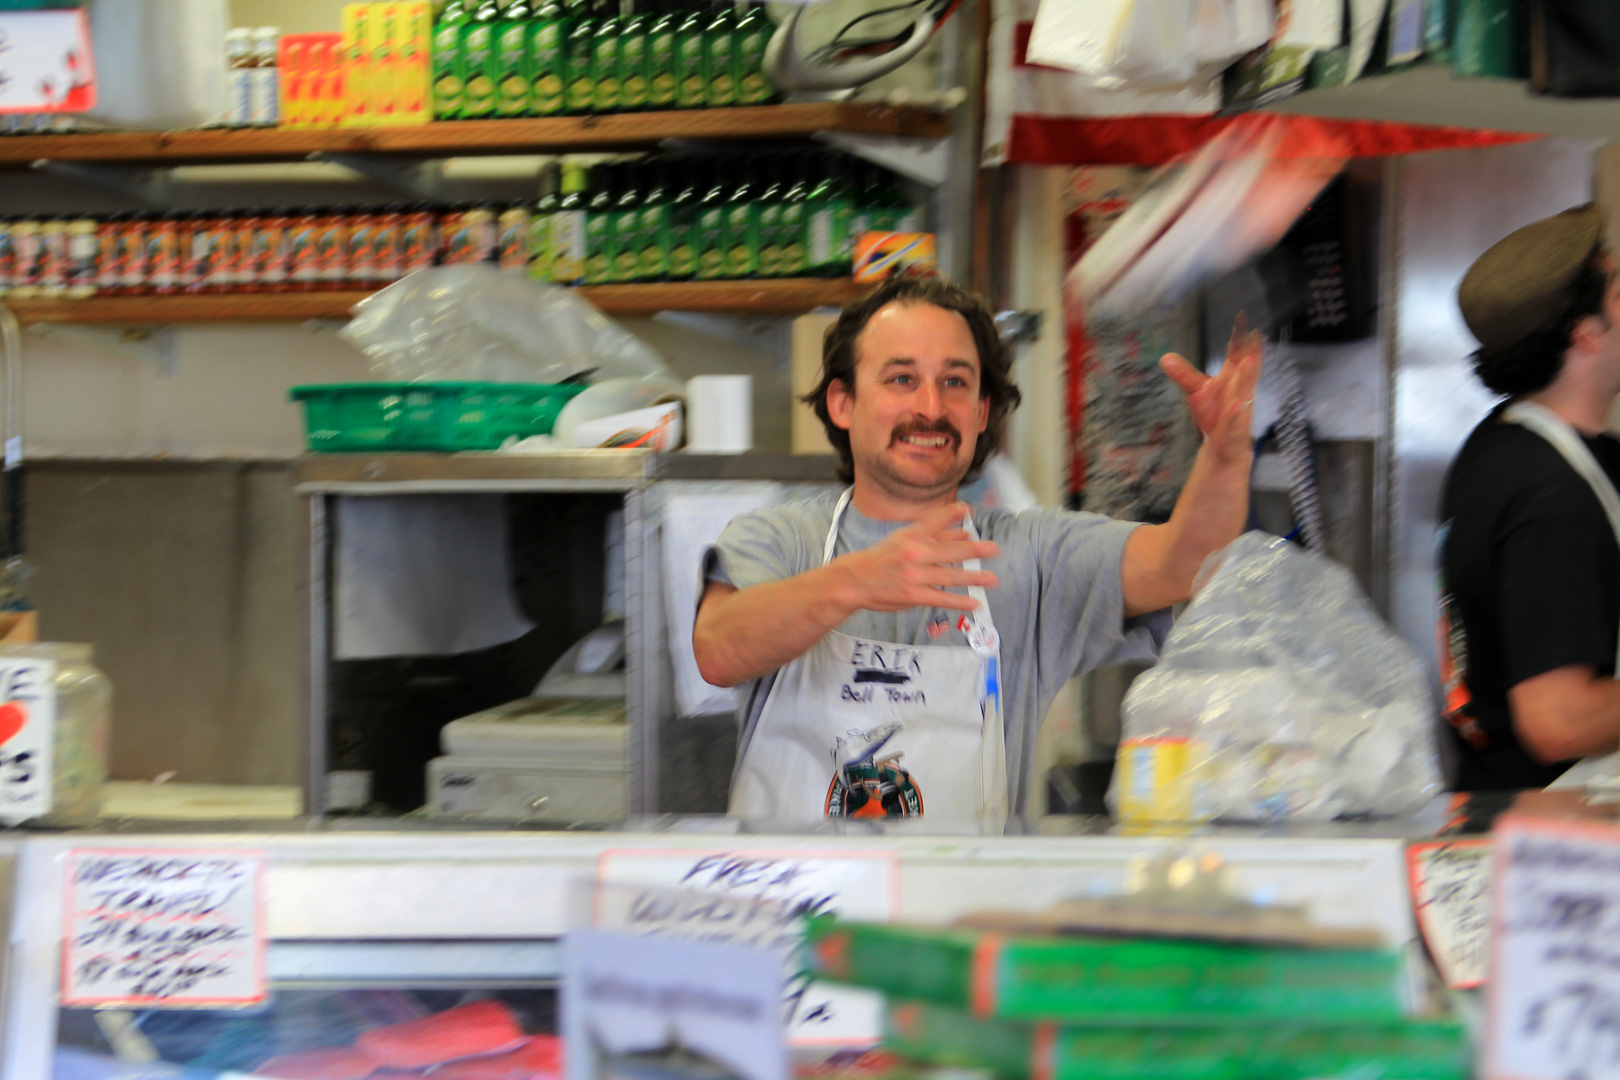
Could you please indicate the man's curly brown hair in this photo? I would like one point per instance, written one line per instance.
(839, 352)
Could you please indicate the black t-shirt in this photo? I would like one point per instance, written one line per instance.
(1529, 580)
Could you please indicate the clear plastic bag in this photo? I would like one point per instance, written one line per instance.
(474, 322)
(1281, 696)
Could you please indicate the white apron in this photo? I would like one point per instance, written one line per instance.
(875, 729)
(1552, 427)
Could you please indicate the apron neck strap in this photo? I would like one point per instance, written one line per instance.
(1563, 437)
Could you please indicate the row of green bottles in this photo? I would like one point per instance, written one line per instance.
(545, 58)
(679, 218)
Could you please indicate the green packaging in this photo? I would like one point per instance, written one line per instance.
(793, 254)
(541, 248)
(683, 256)
(829, 211)
(654, 233)
(1486, 39)
(1408, 1049)
(1111, 980)
(578, 51)
(709, 229)
(752, 34)
(477, 46)
(568, 243)
(633, 62)
(448, 84)
(509, 60)
(718, 42)
(605, 61)
(691, 62)
(770, 224)
(547, 70)
(599, 214)
(741, 239)
(625, 225)
(661, 57)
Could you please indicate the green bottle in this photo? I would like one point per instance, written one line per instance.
(578, 50)
(447, 81)
(770, 218)
(542, 251)
(633, 59)
(828, 210)
(568, 251)
(625, 223)
(509, 59)
(605, 57)
(687, 185)
(752, 34)
(710, 228)
(655, 231)
(742, 225)
(599, 224)
(718, 43)
(546, 71)
(794, 258)
(477, 44)
(691, 60)
(661, 55)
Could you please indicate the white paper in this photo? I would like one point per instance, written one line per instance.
(1077, 34)
(422, 575)
(1555, 979)
(864, 887)
(625, 994)
(45, 62)
(1313, 24)
(691, 524)
(1451, 891)
(720, 414)
(27, 737)
(163, 929)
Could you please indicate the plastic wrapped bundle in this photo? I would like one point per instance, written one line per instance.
(1281, 696)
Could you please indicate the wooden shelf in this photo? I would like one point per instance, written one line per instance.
(785, 296)
(460, 138)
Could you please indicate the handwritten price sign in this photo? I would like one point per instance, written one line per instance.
(27, 737)
(1451, 890)
(1555, 985)
(791, 886)
(45, 62)
(163, 929)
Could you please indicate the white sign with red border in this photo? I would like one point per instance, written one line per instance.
(853, 885)
(46, 65)
(1555, 976)
(163, 928)
(27, 737)
(1451, 892)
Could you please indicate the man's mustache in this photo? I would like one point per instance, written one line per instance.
(941, 426)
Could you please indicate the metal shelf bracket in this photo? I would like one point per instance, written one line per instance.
(148, 186)
(417, 179)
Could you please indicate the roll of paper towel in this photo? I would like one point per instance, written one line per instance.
(720, 414)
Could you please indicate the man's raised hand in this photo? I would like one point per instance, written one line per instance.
(1223, 405)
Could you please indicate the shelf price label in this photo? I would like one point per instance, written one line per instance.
(46, 65)
(163, 929)
(1451, 890)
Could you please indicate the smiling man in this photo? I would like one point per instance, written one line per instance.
(899, 647)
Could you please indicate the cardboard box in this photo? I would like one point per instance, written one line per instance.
(358, 27)
(882, 255)
(413, 62)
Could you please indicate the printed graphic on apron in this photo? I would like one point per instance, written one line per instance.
(867, 786)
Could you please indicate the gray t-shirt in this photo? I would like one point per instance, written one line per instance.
(1060, 608)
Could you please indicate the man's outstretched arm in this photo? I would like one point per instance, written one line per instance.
(1161, 561)
(741, 634)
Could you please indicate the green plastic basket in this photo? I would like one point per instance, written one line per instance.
(449, 416)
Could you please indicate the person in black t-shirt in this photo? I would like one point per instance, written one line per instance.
(1529, 560)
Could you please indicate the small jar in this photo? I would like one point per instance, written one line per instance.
(83, 730)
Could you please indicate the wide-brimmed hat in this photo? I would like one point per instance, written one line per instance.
(1522, 283)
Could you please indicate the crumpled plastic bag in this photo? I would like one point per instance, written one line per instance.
(474, 322)
(1281, 695)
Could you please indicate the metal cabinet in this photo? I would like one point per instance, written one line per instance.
(379, 716)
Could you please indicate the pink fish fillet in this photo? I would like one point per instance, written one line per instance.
(343, 1064)
(479, 1027)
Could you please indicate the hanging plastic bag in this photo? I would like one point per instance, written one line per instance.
(474, 322)
(1281, 696)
